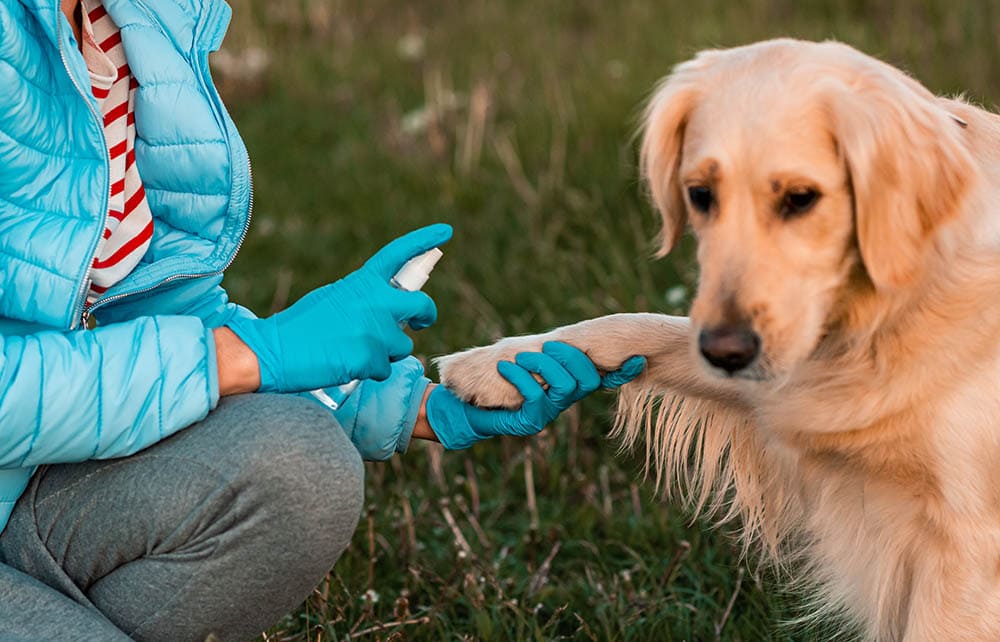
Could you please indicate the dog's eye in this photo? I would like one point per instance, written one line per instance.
(797, 202)
(701, 198)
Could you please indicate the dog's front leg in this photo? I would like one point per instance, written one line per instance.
(664, 340)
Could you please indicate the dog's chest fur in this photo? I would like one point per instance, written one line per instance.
(904, 510)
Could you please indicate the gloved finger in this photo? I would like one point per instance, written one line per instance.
(577, 363)
(536, 411)
(398, 345)
(628, 371)
(521, 379)
(562, 385)
(371, 360)
(414, 308)
(387, 261)
(380, 369)
(510, 422)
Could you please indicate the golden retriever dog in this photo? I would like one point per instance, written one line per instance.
(836, 387)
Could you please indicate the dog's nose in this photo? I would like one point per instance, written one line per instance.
(730, 347)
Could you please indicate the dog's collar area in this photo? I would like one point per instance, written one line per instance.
(961, 123)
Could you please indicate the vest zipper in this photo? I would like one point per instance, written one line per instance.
(174, 277)
(217, 106)
(80, 314)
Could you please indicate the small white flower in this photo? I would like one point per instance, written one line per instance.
(411, 46)
(370, 596)
(416, 121)
(676, 295)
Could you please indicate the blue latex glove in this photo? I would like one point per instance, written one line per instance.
(345, 330)
(570, 374)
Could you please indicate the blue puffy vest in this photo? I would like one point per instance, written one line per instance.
(149, 369)
(53, 200)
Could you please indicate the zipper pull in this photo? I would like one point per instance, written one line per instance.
(87, 320)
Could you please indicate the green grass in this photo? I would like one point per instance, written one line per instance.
(513, 121)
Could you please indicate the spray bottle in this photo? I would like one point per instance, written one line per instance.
(411, 277)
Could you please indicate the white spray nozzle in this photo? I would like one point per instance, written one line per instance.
(415, 272)
(410, 277)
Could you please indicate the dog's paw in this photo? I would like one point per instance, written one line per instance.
(472, 375)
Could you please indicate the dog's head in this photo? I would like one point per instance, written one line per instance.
(800, 167)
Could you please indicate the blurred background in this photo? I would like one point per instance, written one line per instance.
(514, 121)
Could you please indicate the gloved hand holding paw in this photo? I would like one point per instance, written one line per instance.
(570, 376)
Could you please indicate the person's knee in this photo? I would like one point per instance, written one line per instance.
(272, 490)
(302, 474)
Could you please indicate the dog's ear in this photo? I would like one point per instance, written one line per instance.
(908, 166)
(662, 137)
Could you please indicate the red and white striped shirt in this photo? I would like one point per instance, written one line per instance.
(128, 228)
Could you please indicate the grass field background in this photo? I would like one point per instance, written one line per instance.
(513, 121)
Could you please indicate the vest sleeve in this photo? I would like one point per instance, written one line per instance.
(379, 416)
(108, 392)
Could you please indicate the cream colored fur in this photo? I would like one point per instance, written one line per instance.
(863, 447)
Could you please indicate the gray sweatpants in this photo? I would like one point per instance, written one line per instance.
(221, 528)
